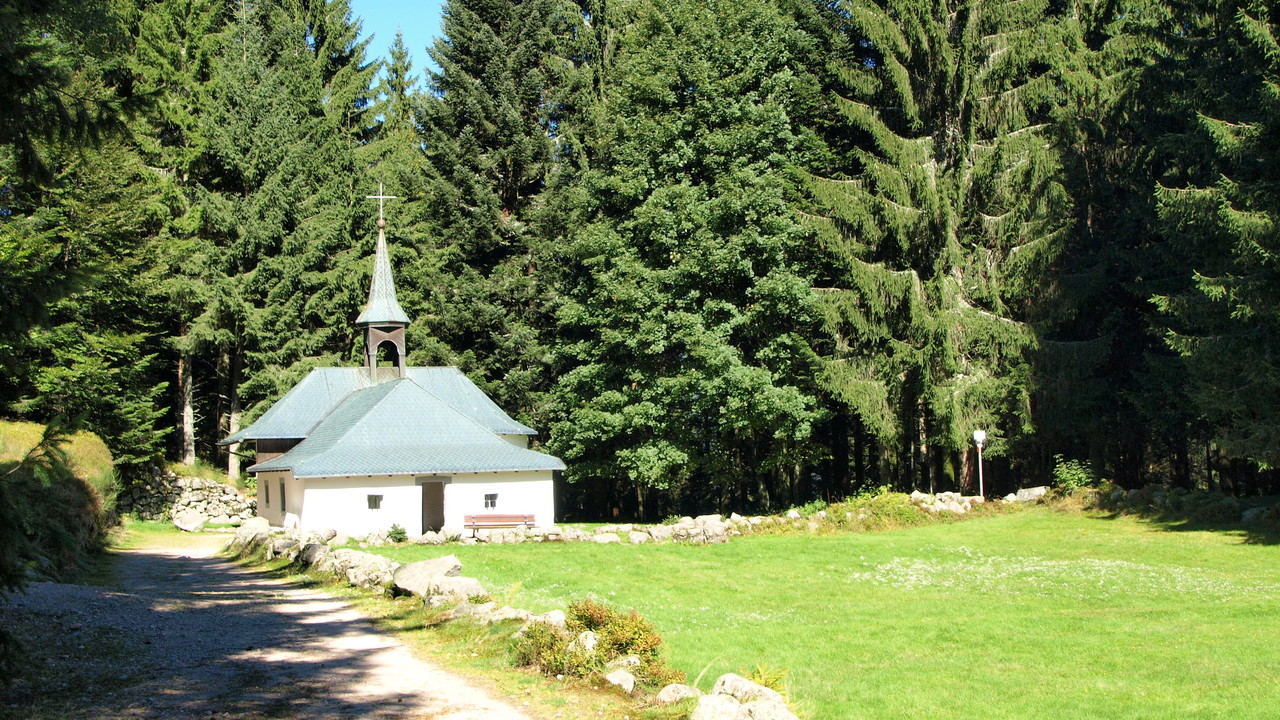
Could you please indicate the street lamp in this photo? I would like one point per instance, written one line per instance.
(980, 437)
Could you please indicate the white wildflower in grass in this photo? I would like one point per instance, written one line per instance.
(1082, 578)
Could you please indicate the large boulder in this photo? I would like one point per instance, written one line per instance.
(718, 707)
(189, 521)
(1029, 494)
(458, 587)
(660, 533)
(416, 578)
(743, 690)
(622, 679)
(675, 692)
(605, 538)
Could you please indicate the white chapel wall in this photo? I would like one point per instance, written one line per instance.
(520, 441)
(343, 504)
(525, 493)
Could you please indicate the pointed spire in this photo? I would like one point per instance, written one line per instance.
(382, 308)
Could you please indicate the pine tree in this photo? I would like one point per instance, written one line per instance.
(939, 210)
(489, 131)
(1221, 210)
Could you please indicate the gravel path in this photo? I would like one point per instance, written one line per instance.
(218, 641)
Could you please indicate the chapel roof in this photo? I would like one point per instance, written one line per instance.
(303, 408)
(397, 428)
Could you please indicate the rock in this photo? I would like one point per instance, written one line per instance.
(624, 662)
(638, 538)
(821, 515)
(735, 518)
(417, 578)
(793, 514)
(459, 587)
(709, 520)
(675, 692)
(283, 545)
(585, 643)
(605, 538)
(718, 707)
(768, 710)
(189, 521)
(622, 679)
(1029, 494)
(451, 534)
(429, 537)
(1010, 498)
(743, 690)
(509, 613)
(554, 618)
(253, 526)
(660, 533)
(339, 539)
(1253, 515)
(313, 554)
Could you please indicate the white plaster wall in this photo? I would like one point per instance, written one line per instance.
(520, 441)
(269, 487)
(343, 504)
(529, 493)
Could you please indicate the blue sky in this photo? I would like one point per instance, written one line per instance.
(419, 20)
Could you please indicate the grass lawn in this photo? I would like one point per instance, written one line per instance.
(1038, 614)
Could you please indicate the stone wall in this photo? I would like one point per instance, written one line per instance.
(164, 495)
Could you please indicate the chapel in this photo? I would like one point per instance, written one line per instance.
(359, 449)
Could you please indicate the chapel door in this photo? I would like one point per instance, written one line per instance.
(432, 506)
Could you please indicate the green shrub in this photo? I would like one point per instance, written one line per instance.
(1069, 475)
(397, 534)
(618, 635)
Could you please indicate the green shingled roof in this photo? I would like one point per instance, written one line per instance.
(294, 415)
(382, 308)
(397, 428)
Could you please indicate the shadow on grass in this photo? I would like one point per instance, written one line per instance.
(1262, 533)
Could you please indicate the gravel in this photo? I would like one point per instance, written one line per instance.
(188, 634)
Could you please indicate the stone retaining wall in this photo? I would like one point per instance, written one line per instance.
(163, 495)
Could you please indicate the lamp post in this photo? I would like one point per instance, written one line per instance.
(979, 438)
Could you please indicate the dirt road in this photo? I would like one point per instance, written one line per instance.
(190, 635)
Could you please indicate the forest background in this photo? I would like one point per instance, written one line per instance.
(723, 254)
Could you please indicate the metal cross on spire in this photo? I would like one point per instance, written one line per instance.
(380, 197)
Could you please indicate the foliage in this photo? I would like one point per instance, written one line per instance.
(1070, 475)
(397, 534)
(55, 496)
(619, 635)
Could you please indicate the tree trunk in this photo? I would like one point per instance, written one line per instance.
(233, 416)
(187, 429)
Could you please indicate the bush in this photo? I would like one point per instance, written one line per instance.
(1070, 475)
(397, 534)
(618, 635)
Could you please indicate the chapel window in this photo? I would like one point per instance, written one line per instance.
(375, 502)
(490, 500)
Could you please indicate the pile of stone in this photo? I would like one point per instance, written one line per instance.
(732, 698)
(1194, 504)
(952, 502)
(164, 495)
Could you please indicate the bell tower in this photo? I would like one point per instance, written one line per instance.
(383, 319)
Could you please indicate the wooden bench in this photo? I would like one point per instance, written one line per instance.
(489, 522)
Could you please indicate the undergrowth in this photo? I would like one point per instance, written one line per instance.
(618, 635)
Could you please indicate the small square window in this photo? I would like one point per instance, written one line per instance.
(491, 500)
(375, 502)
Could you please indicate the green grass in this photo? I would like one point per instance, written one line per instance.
(1036, 614)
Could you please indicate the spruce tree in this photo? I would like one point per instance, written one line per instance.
(939, 209)
(1221, 210)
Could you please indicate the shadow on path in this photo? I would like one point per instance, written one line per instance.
(224, 641)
